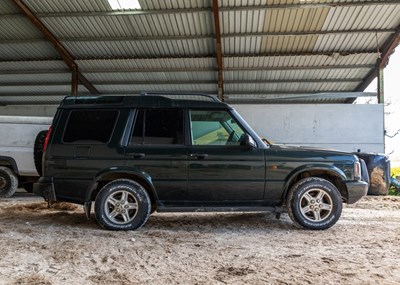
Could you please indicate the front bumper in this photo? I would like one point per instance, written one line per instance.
(356, 190)
(45, 188)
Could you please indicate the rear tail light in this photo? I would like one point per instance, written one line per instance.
(46, 139)
(357, 171)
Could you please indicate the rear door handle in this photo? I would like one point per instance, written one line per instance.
(135, 155)
(199, 155)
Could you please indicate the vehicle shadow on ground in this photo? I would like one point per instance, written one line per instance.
(65, 214)
(215, 222)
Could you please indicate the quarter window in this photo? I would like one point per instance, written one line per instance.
(90, 126)
(158, 127)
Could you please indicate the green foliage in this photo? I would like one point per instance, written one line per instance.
(395, 171)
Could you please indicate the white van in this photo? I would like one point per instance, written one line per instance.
(17, 143)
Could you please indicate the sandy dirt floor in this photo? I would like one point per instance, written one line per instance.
(59, 246)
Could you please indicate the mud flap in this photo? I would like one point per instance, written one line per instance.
(86, 208)
(278, 212)
(45, 188)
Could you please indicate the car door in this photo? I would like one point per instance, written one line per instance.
(221, 167)
(157, 148)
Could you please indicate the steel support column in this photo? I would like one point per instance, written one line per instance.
(74, 82)
(381, 96)
(219, 51)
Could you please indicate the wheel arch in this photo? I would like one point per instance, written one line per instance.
(9, 162)
(327, 172)
(107, 175)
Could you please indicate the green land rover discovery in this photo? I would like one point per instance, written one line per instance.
(133, 155)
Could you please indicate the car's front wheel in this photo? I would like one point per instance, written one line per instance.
(122, 205)
(314, 203)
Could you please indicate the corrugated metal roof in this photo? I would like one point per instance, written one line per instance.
(16, 29)
(31, 100)
(188, 24)
(27, 66)
(268, 47)
(35, 78)
(151, 77)
(147, 63)
(27, 51)
(161, 48)
(310, 60)
(314, 74)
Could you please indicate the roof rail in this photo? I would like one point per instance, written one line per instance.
(182, 96)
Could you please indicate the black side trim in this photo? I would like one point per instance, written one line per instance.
(219, 209)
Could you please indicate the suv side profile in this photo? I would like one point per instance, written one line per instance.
(133, 155)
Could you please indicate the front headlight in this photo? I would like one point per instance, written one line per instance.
(357, 170)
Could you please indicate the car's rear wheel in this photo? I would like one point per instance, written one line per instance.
(314, 203)
(122, 205)
(8, 182)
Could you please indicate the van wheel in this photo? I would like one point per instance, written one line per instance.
(38, 151)
(314, 203)
(8, 182)
(122, 205)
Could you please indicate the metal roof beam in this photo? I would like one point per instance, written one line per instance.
(389, 47)
(280, 93)
(173, 70)
(305, 94)
(64, 53)
(331, 53)
(387, 50)
(227, 56)
(294, 68)
(233, 94)
(196, 37)
(309, 4)
(189, 82)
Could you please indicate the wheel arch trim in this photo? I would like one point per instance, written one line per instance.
(11, 161)
(331, 169)
(122, 172)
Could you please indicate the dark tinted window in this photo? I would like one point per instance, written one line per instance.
(158, 127)
(90, 125)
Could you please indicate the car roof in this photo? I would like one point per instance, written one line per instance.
(148, 100)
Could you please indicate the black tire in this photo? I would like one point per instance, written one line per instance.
(8, 182)
(38, 151)
(122, 205)
(314, 203)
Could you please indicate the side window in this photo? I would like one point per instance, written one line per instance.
(158, 127)
(90, 125)
(214, 128)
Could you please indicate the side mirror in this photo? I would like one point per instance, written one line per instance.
(248, 142)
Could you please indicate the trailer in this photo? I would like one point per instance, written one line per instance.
(18, 153)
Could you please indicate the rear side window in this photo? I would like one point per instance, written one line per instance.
(158, 127)
(90, 126)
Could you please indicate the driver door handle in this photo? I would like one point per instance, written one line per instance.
(199, 155)
(135, 155)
